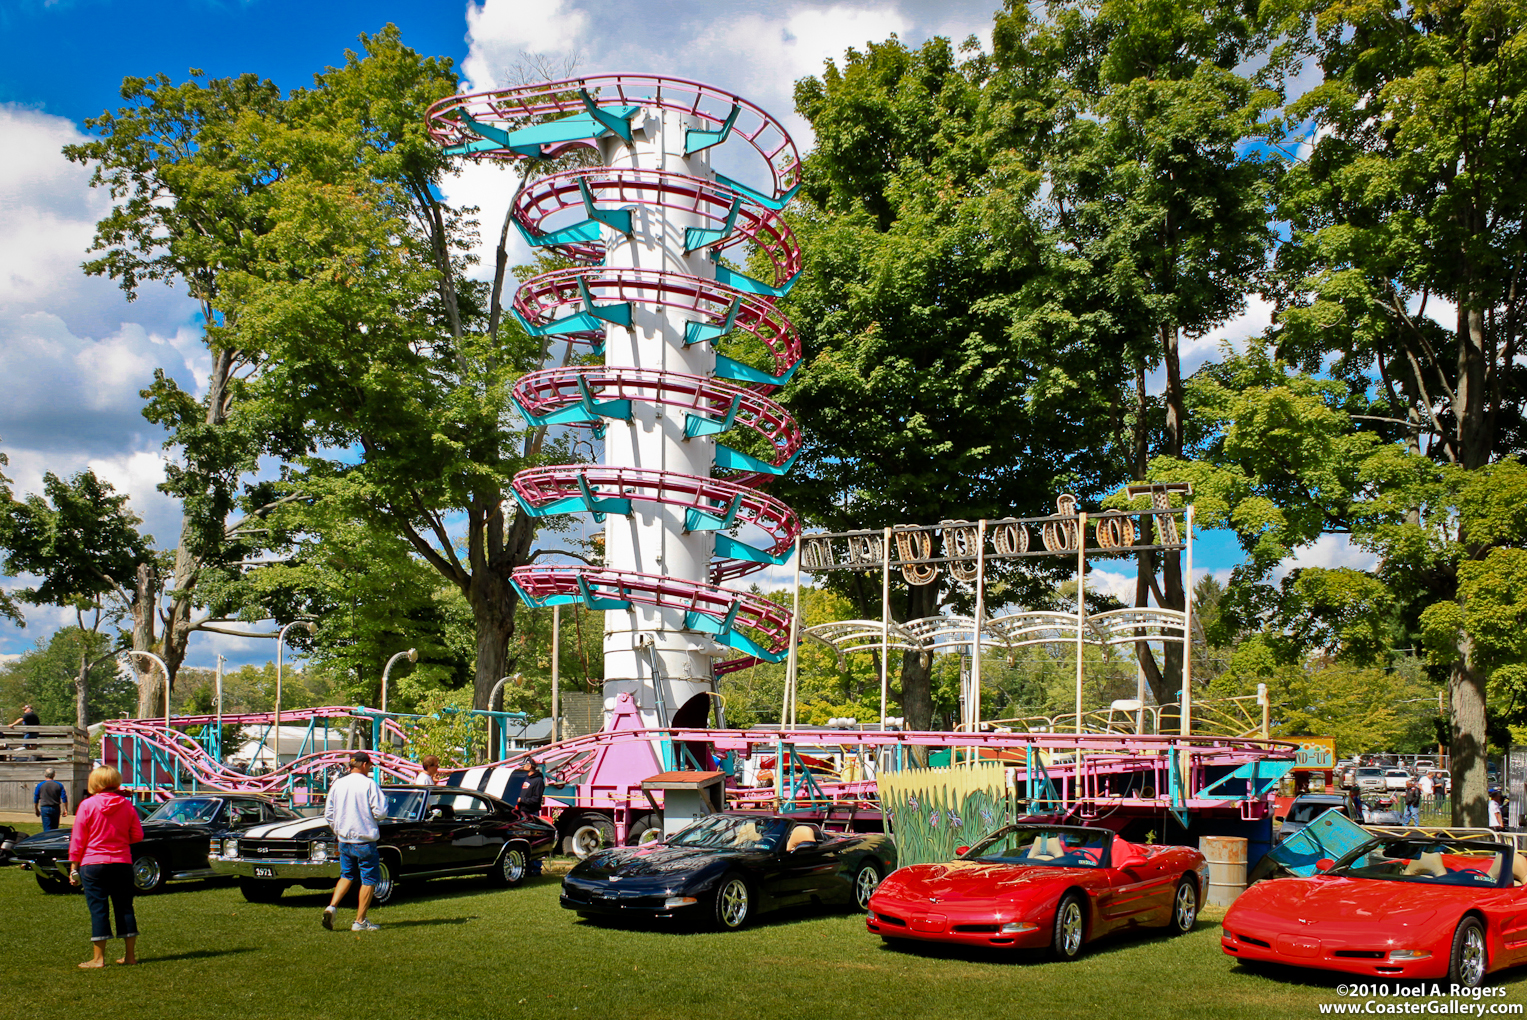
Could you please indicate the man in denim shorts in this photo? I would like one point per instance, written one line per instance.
(354, 807)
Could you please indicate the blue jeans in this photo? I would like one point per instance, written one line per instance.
(49, 818)
(109, 887)
(1412, 815)
(360, 860)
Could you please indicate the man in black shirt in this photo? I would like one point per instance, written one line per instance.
(50, 801)
(533, 790)
(29, 717)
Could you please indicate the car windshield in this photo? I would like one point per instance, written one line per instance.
(403, 805)
(187, 812)
(1054, 848)
(1307, 811)
(1430, 860)
(730, 832)
(1370, 772)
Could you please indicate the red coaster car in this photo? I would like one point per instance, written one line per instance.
(1398, 907)
(1034, 886)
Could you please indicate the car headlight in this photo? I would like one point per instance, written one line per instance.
(318, 851)
(230, 848)
(1016, 927)
(678, 901)
(1409, 954)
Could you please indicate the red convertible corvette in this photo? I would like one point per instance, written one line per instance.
(1032, 886)
(1393, 907)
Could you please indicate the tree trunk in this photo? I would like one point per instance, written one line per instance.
(1469, 748)
(917, 669)
(493, 605)
(145, 609)
(81, 689)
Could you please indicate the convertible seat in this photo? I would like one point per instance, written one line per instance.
(1518, 869)
(1046, 848)
(1427, 866)
(1123, 851)
(800, 834)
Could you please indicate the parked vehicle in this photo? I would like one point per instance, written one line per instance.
(427, 832)
(727, 868)
(1370, 778)
(1397, 908)
(178, 836)
(1396, 778)
(1423, 764)
(1031, 886)
(1307, 807)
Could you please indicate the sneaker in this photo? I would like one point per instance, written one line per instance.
(328, 919)
(364, 926)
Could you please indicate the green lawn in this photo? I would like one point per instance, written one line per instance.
(457, 948)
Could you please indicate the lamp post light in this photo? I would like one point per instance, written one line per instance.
(412, 655)
(166, 671)
(311, 628)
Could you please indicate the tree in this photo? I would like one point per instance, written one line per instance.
(189, 200)
(47, 677)
(80, 538)
(1412, 194)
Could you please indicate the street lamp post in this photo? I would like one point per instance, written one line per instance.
(310, 627)
(496, 725)
(219, 706)
(412, 655)
(166, 671)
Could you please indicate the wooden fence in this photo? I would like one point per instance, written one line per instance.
(26, 752)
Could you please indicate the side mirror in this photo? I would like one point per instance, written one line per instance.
(961, 851)
(435, 814)
(1324, 864)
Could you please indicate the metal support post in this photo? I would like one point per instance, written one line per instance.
(973, 697)
(885, 628)
(556, 674)
(793, 665)
(1187, 631)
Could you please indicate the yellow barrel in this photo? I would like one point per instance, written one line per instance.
(1226, 856)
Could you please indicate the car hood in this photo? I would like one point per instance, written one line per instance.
(56, 841)
(1324, 903)
(654, 861)
(291, 828)
(962, 880)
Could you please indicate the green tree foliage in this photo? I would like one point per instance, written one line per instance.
(447, 729)
(47, 677)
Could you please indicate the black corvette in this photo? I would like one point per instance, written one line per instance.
(727, 868)
(177, 837)
(428, 832)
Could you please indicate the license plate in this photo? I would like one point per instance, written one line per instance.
(265, 873)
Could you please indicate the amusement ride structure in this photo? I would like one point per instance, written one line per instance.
(692, 348)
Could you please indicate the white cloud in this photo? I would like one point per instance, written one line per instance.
(500, 31)
(1330, 551)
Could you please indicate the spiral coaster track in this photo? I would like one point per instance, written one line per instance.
(690, 433)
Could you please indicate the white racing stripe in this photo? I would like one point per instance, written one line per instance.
(291, 829)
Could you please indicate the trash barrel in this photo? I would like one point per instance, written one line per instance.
(1226, 856)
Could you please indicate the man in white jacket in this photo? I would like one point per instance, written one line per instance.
(354, 807)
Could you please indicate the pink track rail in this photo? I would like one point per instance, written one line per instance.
(542, 393)
(768, 622)
(515, 107)
(558, 200)
(543, 486)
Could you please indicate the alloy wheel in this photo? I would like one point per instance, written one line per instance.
(1071, 927)
(734, 903)
(147, 872)
(1187, 907)
(865, 885)
(1471, 967)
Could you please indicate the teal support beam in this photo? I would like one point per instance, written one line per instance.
(618, 220)
(728, 368)
(729, 548)
(700, 139)
(696, 238)
(736, 460)
(748, 285)
(699, 425)
(699, 332)
(767, 201)
(580, 322)
(618, 312)
(700, 519)
(723, 632)
(586, 231)
(1260, 776)
(619, 121)
(593, 602)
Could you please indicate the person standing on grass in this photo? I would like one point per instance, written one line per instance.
(1428, 787)
(533, 791)
(354, 807)
(100, 859)
(1412, 814)
(429, 771)
(50, 801)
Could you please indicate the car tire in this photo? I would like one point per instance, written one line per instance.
(257, 890)
(1070, 930)
(150, 873)
(866, 881)
(512, 866)
(732, 907)
(588, 834)
(1184, 907)
(386, 888)
(51, 886)
(1469, 961)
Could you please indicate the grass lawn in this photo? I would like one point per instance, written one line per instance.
(458, 948)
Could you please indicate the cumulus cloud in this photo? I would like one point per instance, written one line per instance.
(1330, 551)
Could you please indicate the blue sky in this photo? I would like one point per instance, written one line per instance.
(74, 353)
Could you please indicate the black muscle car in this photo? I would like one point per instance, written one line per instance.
(726, 868)
(429, 831)
(177, 836)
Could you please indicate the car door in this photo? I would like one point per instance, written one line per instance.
(1137, 894)
(807, 870)
(454, 820)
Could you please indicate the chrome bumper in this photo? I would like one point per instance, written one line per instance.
(284, 870)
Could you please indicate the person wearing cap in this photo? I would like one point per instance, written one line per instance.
(50, 801)
(533, 791)
(354, 807)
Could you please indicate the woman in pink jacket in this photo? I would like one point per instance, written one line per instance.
(100, 859)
